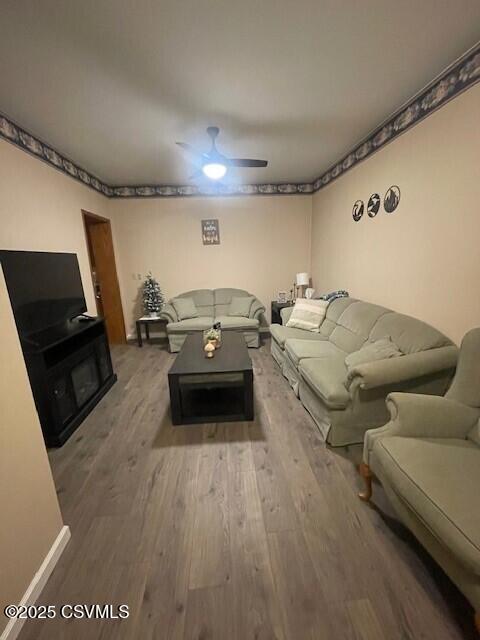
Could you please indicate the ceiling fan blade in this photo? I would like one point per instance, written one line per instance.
(197, 174)
(245, 162)
(198, 154)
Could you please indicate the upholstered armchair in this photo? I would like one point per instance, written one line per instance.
(428, 461)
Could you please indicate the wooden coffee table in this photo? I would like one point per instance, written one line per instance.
(218, 389)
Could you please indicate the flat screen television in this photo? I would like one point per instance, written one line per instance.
(45, 289)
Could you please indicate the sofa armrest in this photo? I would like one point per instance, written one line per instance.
(168, 312)
(415, 415)
(408, 367)
(257, 309)
(285, 313)
(419, 415)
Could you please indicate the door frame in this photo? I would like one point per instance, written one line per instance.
(96, 219)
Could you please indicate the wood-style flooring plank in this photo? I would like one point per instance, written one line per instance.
(209, 614)
(364, 620)
(210, 563)
(162, 611)
(304, 610)
(256, 609)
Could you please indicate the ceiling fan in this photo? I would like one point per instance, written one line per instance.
(215, 165)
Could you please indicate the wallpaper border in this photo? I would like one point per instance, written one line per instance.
(21, 138)
(458, 77)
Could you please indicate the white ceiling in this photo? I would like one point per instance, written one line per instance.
(114, 83)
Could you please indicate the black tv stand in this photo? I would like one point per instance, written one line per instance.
(84, 318)
(70, 370)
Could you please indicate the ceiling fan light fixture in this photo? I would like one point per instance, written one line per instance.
(214, 165)
(214, 170)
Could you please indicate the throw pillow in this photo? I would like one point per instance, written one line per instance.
(240, 306)
(185, 308)
(308, 314)
(371, 351)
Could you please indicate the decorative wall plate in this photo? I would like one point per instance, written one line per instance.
(392, 198)
(357, 211)
(373, 205)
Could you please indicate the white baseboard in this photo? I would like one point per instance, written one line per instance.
(38, 582)
(132, 337)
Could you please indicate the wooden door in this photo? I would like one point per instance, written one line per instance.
(104, 274)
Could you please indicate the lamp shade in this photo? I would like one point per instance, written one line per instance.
(302, 279)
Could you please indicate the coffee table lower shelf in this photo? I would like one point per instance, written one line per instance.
(213, 397)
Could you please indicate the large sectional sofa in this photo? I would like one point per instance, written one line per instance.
(213, 306)
(345, 403)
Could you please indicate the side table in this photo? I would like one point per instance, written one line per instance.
(276, 307)
(146, 321)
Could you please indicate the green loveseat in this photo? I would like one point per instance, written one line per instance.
(213, 306)
(428, 461)
(345, 403)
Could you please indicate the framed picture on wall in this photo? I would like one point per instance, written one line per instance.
(210, 232)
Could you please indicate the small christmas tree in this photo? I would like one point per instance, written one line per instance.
(152, 295)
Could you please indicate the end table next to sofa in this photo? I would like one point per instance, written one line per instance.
(146, 321)
(276, 307)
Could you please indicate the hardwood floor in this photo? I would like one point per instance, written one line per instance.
(231, 531)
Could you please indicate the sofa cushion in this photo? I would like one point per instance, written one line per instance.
(203, 299)
(192, 324)
(240, 306)
(334, 311)
(360, 317)
(185, 308)
(308, 314)
(327, 376)
(355, 325)
(409, 334)
(474, 433)
(299, 349)
(223, 298)
(237, 322)
(438, 479)
(280, 333)
(225, 295)
(371, 351)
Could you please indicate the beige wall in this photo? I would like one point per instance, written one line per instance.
(40, 209)
(264, 241)
(424, 259)
(29, 513)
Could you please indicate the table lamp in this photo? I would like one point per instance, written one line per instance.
(302, 280)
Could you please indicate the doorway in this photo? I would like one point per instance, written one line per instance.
(98, 233)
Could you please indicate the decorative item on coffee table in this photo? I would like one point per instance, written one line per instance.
(213, 335)
(209, 349)
(152, 296)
